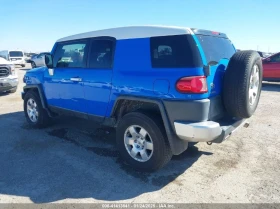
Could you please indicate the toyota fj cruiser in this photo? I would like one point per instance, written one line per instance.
(160, 87)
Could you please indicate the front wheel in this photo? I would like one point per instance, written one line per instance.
(142, 142)
(35, 114)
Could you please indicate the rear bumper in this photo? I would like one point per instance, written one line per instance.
(8, 83)
(207, 131)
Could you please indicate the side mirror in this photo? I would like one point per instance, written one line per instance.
(48, 60)
(49, 63)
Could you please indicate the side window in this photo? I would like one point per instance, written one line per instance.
(101, 54)
(40, 55)
(177, 51)
(275, 58)
(71, 54)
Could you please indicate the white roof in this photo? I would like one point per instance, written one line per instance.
(131, 32)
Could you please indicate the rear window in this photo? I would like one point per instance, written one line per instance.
(216, 48)
(16, 54)
(178, 51)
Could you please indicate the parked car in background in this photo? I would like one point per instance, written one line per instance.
(30, 56)
(38, 60)
(15, 56)
(2, 56)
(160, 87)
(8, 76)
(271, 68)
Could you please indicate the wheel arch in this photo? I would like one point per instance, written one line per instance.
(125, 104)
(38, 89)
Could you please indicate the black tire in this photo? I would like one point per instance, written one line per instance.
(236, 84)
(161, 150)
(13, 90)
(33, 65)
(43, 117)
(22, 65)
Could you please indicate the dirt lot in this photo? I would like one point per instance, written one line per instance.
(76, 161)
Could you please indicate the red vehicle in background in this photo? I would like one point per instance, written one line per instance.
(271, 68)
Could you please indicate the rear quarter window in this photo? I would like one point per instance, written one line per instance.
(216, 48)
(179, 51)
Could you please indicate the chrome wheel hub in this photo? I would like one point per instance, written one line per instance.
(32, 111)
(138, 143)
(254, 85)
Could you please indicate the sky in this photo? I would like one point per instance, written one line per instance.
(35, 25)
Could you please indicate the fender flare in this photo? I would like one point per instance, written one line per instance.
(177, 145)
(38, 87)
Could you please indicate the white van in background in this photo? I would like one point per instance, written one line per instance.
(14, 56)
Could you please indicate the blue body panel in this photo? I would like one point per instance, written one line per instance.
(138, 79)
(97, 90)
(61, 92)
(131, 75)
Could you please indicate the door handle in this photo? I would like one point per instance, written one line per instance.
(76, 79)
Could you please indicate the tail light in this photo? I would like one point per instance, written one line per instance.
(195, 84)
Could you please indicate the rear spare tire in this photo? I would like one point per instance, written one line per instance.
(242, 84)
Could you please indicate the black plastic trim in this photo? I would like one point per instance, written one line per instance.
(227, 129)
(177, 145)
(64, 111)
(194, 110)
(41, 95)
(39, 88)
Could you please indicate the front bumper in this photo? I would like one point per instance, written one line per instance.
(8, 83)
(207, 131)
(18, 62)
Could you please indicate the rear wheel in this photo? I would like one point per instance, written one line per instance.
(142, 142)
(22, 65)
(35, 114)
(242, 84)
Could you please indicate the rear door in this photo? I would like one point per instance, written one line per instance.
(98, 80)
(271, 67)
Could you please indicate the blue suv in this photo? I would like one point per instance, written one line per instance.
(160, 87)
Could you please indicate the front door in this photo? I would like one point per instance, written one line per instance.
(65, 88)
(98, 82)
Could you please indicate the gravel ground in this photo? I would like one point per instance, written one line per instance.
(75, 161)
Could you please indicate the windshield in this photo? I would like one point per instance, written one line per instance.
(216, 48)
(16, 54)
